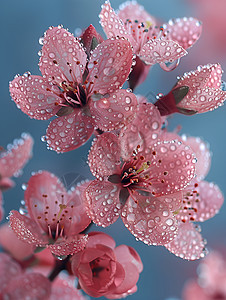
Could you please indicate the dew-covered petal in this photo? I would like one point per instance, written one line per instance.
(69, 132)
(43, 196)
(104, 155)
(28, 286)
(133, 11)
(100, 238)
(16, 156)
(63, 58)
(35, 96)
(202, 153)
(204, 89)
(26, 229)
(202, 201)
(69, 246)
(185, 31)
(143, 131)
(172, 167)
(160, 51)
(150, 219)
(113, 25)
(113, 111)
(9, 269)
(90, 39)
(188, 244)
(110, 62)
(102, 202)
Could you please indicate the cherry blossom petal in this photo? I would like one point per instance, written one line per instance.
(69, 246)
(44, 189)
(90, 39)
(192, 291)
(63, 58)
(113, 111)
(204, 203)
(204, 89)
(64, 290)
(184, 31)
(9, 269)
(6, 183)
(16, 156)
(100, 238)
(188, 244)
(102, 202)
(111, 62)
(104, 155)
(113, 25)
(143, 131)
(26, 229)
(28, 286)
(172, 167)
(126, 254)
(69, 132)
(202, 153)
(160, 51)
(150, 220)
(1, 207)
(10, 243)
(35, 96)
(133, 11)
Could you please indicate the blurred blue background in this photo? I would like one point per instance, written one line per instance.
(22, 23)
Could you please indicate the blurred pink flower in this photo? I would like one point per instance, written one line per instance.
(211, 283)
(56, 217)
(82, 94)
(140, 176)
(197, 91)
(12, 161)
(151, 44)
(104, 270)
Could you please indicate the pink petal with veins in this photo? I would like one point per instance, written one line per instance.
(35, 96)
(188, 244)
(134, 11)
(202, 153)
(114, 110)
(184, 31)
(9, 269)
(26, 229)
(150, 219)
(172, 167)
(102, 202)
(113, 25)
(69, 246)
(42, 191)
(28, 286)
(63, 58)
(104, 155)
(160, 51)
(111, 62)
(143, 131)
(16, 156)
(204, 202)
(69, 132)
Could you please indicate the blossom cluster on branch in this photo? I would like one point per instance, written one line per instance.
(150, 177)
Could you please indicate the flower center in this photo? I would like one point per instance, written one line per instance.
(98, 266)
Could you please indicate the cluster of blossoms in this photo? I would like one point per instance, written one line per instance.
(150, 177)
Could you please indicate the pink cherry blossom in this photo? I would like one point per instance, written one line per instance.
(211, 283)
(104, 270)
(202, 200)
(56, 217)
(90, 38)
(12, 161)
(82, 94)
(140, 178)
(197, 91)
(18, 285)
(163, 45)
